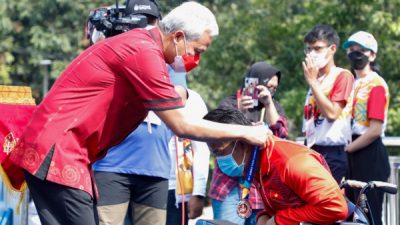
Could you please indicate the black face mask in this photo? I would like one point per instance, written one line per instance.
(358, 60)
(272, 91)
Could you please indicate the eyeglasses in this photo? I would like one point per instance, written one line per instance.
(216, 152)
(272, 88)
(217, 149)
(314, 48)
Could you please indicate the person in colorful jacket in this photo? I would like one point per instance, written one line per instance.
(294, 181)
(326, 125)
(102, 96)
(225, 188)
(370, 103)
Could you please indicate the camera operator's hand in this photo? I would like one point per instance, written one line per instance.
(246, 102)
(97, 36)
(264, 95)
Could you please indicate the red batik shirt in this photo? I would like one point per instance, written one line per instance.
(96, 102)
(296, 186)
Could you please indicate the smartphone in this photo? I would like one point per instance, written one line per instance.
(250, 84)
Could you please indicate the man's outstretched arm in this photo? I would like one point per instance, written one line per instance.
(207, 131)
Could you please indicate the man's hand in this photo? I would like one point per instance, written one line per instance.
(264, 96)
(195, 206)
(310, 70)
(257, 135)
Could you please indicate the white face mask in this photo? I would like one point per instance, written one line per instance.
(320, 59)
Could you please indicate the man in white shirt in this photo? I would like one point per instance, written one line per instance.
(189, 168)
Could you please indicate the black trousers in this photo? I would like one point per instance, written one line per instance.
(61, 205)
(369, 164)
(174, 214)
(336, 158)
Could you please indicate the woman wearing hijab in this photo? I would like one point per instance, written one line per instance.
(267, 109)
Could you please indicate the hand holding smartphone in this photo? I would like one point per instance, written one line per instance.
(250, 84)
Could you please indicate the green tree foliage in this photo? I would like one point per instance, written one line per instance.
(273, 31)
(32, 31)
(250, 30)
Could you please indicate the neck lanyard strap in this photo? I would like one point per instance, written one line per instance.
(250, 172)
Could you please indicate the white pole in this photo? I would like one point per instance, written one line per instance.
(45, 83)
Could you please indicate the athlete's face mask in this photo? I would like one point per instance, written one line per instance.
(186, 62)
(228, 165)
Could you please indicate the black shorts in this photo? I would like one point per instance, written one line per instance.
(116, 188)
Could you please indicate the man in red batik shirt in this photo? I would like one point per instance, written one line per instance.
(101, 97)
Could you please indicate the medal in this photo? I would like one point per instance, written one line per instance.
(243, 209)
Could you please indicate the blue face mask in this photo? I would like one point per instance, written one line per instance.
(228, 165)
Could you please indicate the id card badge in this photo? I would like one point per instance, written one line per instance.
(311, 135)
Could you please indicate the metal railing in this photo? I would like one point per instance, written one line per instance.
(391, 207)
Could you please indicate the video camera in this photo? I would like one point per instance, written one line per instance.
(112, 20)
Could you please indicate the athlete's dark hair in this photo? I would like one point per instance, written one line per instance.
(322, 32)
(227, 115)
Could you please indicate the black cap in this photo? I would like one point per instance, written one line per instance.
(144, 7)
(264, 72)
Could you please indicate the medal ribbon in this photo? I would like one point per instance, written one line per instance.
(250, 173)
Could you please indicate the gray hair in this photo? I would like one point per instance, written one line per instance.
(192, 18)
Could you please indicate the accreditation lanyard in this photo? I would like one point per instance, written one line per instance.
(243, 208)
(355, 98)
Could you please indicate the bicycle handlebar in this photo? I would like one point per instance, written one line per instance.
(383, 186)
(352, 184)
